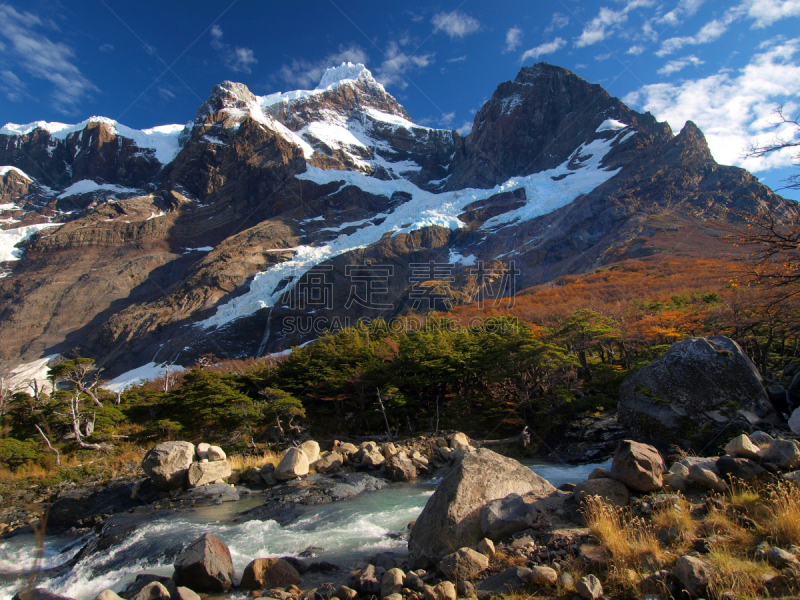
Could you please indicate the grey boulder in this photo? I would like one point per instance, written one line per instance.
(205, 566)
(639, 466)
(451, 517)
(167, 464)
(502, 517)
(693, 392)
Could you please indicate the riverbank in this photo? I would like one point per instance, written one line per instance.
(146, 540)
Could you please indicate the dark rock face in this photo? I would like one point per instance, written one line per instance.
(690, 394)
(118, 282)
(82, 506)
(205, 566)
(529, 125)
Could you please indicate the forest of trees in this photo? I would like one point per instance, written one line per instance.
(560, 352)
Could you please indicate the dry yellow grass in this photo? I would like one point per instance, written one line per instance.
(737, 575)
(630, 541)
(745, 498)
(242, 462)
(727, 531)
(503, 560)
(679, 517)
(782, 515)
(124, 462)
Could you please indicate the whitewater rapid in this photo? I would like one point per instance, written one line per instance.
(348, 531)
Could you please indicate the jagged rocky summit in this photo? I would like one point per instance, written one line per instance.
(182, 240)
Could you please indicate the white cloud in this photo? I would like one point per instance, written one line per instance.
(165, 93)
(690, 7)
(106, 48)
(12, 86)
(306, 74)
(766, 12)
(397, 63)
(635, 50)
(513, 39)
(685, 8)
(605, 56)
(543, 49)
(465, 128)
(559, 21)
(29, 50)
(455, 24)
(734, 109)
(603, 25)
(674, 66)
(762, 12)
(236, 59)
(447, 118)
(600, 27)
(457, 59)
(710, 32)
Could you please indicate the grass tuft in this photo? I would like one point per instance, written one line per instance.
(782, 519)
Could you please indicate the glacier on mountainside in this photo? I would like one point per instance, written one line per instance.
(546, 191)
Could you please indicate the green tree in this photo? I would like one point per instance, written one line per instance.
(209, 399)
(584, 331)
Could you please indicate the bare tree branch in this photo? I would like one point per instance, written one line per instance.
(49, 445)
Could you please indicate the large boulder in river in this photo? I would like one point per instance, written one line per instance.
(203, 473)
(168, 464)
(311, 448)
(268, 573)
(205, 566)
(688, 396)
(294, 464)
(451, 518)
(400, 468)
(639, 466)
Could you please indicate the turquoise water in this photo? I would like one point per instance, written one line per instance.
(348, 531)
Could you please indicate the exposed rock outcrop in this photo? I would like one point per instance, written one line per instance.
(689, 395)
(638, 466)
(205, 566)
(451, 518)
(167, 464)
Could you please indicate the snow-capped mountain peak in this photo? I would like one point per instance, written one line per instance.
(347, 71)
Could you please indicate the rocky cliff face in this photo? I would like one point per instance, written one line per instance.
(269, 219)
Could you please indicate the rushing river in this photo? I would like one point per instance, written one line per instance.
(348, 531)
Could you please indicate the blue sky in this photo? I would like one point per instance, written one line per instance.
(724, 64)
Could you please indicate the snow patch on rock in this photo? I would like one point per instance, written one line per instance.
(424, 209)
(163, 140)
(611, 125)
(87, 186)
(22, 377)
(20, 172)
(9, 238)
(139, 375)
